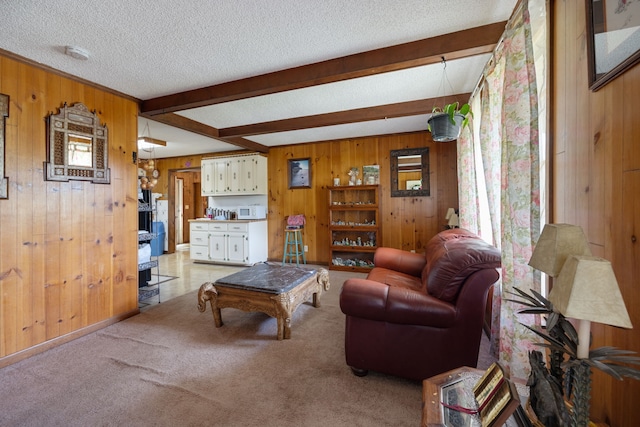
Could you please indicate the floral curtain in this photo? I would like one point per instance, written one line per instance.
(499, 181)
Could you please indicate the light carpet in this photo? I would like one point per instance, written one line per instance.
(170, 366)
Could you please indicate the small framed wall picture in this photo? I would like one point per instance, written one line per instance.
(299, 171)
(613, 39)
(371, 174)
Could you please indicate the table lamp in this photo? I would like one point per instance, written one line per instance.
(587, 290)
(556, 243)
(452, 218)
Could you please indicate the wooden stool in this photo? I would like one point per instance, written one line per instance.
(293, 246)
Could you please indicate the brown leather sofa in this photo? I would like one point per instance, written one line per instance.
(418, 315)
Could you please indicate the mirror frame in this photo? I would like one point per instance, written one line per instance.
(76, 121)
(424, 155)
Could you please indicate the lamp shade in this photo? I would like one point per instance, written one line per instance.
(556, 243)
(452, 218)
(454, 221)
(587, 289)
(450, 212)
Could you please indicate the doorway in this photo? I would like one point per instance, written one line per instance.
(179, 211)
(185, 203)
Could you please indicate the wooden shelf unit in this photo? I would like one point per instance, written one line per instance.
(354, 226)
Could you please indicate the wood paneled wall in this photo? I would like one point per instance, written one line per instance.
(596, 184)
(68, 253)
(407, 222)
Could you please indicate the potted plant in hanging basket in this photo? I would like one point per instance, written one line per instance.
(446, 123)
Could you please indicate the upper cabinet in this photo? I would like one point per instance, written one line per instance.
(207, 175)
(221, 176)
(234, 175)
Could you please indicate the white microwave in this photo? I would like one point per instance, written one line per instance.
(251, 212)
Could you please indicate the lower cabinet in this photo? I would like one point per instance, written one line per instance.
(229, 242)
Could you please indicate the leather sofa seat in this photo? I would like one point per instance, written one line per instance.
(418, 315)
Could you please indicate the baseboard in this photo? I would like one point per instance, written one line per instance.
(42, 347)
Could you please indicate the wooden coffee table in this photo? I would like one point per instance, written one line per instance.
(269, 288)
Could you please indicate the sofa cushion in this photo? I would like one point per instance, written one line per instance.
(453, 256)
(399, 260)
(395, 278)
(372, 300)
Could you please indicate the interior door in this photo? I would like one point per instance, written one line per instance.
(179, 212)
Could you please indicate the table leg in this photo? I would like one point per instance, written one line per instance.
(217, 316)
(287, 327)
(208, 292)
(323, 281)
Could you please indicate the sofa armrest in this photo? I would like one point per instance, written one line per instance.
(399, 260)
(372, 300)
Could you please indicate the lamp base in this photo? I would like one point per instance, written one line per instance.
(581, 394)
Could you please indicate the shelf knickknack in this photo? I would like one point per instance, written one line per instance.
(77, 146)
(4, 112)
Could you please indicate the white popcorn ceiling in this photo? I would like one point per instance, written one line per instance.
(150, 48)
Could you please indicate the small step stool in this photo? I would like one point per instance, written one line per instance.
(293, 246)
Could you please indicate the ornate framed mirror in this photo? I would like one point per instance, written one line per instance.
(77, 146)
(410, 172)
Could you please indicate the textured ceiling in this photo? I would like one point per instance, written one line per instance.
(153, 48)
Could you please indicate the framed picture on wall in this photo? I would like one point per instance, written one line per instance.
(299, 171)
(613, 39)
(371, 174)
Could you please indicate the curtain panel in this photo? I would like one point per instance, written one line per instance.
(499, 179)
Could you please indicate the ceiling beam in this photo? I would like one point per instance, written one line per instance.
(460, 44)
(401, 109)
(204, 130)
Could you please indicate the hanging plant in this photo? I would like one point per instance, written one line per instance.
(446, 123)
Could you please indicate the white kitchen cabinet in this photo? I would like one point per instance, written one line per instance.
(199, 240)
(217, 246)
(244, 174)
(237, 175)
(229, 242)
(207, 176)
(221, 176)
(199, 245)
(237, 242)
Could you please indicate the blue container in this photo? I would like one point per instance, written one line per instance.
(157, 244)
